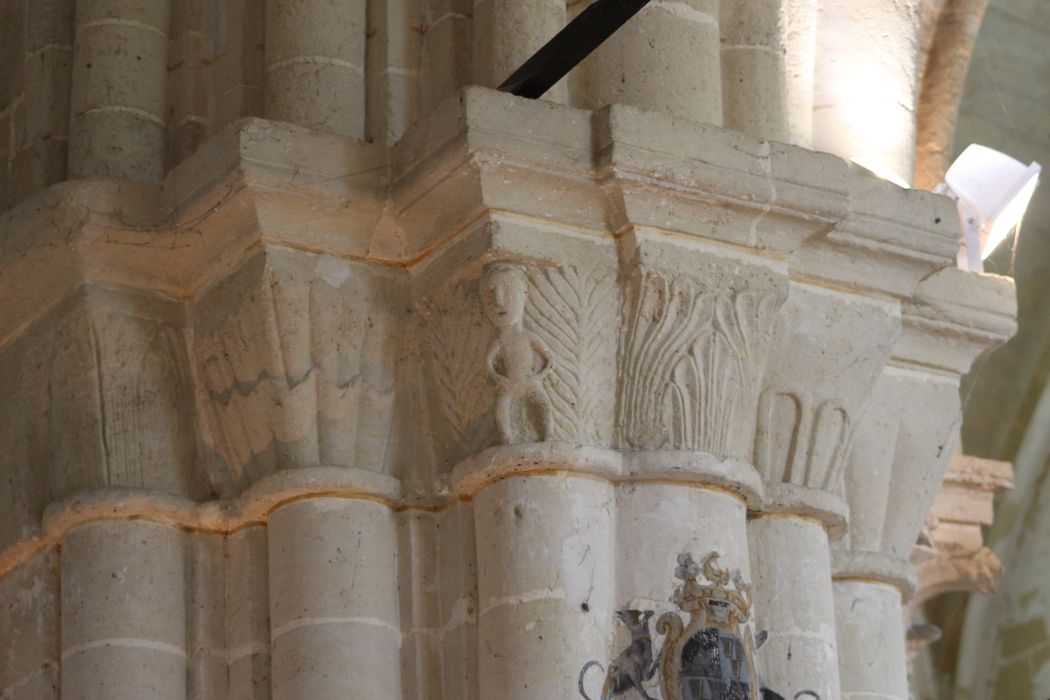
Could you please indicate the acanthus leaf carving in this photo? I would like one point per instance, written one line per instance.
(664, 316)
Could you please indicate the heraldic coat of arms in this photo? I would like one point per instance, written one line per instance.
(709, 655)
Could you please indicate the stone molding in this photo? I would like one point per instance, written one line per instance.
(245, 187)
(874, 567)
(255, 503)
(791, 500)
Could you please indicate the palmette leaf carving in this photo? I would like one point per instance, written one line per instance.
(576, 313)
(456, 337)
(300, 374)
(692, 362)
(664, 317)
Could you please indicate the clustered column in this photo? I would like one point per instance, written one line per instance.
(117, 105)
(666, 59)
(334, 626)
(123, 611)
(315, 61)
(866, 82)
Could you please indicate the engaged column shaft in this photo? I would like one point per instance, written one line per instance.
(791, 566)
(315, 60)
(123, 612)
(545, 583)
(333, 600)
(119, 75)
(665, 59)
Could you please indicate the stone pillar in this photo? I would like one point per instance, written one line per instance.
(684, 519)
(507, 32)
(392, 68)
(866, 83)
(768, 55)
(333, 600)
(446, 59)
(791, 568)
(247, 622)
(566, 350)
(206, 603)
(666, 59)
(799, 28)
(889, 483)
(871, 640)
(29, 617)
(315, 61)
(754, 84)
(868, 584)
(456, 562)
(829, 347)
(903, 445)
(545, 582)
(123, 612)
(951, 40)
(119, 75)
(42, 147)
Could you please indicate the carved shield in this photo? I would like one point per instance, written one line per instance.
(708, 659)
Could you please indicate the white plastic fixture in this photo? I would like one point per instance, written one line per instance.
(992, 191)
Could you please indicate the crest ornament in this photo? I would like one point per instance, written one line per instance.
(710, 656)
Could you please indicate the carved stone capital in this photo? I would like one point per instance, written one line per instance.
(909, 432)
(950, 554)
(828, 350)
(696, 338)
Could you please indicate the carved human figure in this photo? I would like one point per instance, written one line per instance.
(523, 410)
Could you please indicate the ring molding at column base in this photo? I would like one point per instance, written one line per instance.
(251, 507)
(874, 567)
(699, 469)
(795, 501)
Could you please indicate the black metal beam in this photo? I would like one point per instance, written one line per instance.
(570, 46)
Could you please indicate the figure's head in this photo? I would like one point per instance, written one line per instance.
(635, 620)
(503, 294)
